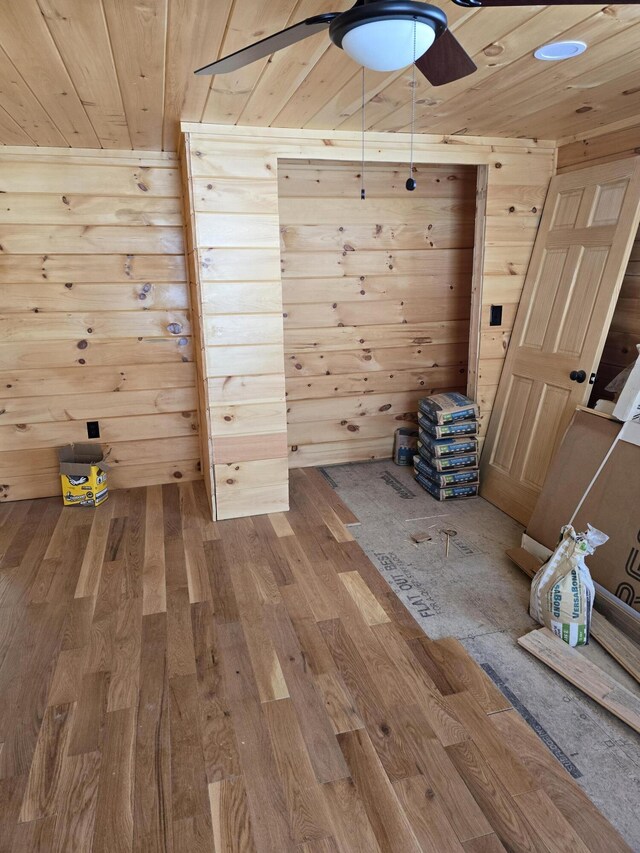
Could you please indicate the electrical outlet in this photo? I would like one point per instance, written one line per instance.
(495, 316)
(93, 429)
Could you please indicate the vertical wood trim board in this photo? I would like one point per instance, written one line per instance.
(199, 342)
(477, 283)
(95, 322)
(236, 237)
(624, 331)
(346, 399)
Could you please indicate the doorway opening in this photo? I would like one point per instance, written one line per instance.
(377, 300)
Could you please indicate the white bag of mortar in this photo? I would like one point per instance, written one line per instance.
(562, 591)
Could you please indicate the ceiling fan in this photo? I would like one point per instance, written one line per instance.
(378, 34)
(383, 35)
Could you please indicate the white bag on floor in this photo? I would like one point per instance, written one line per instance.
(562, 591)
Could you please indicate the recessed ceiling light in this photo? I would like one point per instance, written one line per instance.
(560, 50)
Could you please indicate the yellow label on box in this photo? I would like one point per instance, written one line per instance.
(83, 489)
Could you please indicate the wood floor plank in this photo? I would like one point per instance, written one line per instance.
(154, 590)
(421, 650)
(386, 815)
(484, 844)
(320, 845)
(311, 641)
(494, 799)
(171, 514)
(464, 674)
(11, 794)
(280, 524)
(90, 714)
(338, 530)
(197, 573)
(306, 810)
(565, 793)
(428, 821)
(135, 542)
(116, 545)
(152, 810)
(583, 674)
(220, 752)
(40, 798)
(365, 601)
(180, 649)
(265, 792)
(396, 757)
(189, 797)
(339, 705)
(548, 823)
(315, 477)
(413, 685)
(265, 661)
(351, 825)
(223, 596)
(619, 646)
(251, 543)
(77, 625)
(25, 680)
(125, 669)
(316, 727)
(447, 788)
(35, 836)
(67, 676)
(113, 829)
(94, 553)
(322, 607)
(500, 757)
(77, 802)
(169, 683)
(230, 816)
(276, 571)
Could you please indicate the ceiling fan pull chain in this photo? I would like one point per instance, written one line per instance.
(362, 191)
(411, 184)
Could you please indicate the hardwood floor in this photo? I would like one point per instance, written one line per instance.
(172, 683)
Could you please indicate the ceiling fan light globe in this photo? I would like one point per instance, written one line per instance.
(388, 45)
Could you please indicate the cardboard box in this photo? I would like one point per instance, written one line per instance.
(627, 406)
(448, 407)
(83, 474)
(405, 444)
(598, 459)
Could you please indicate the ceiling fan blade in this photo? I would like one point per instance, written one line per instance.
(479, 4)
(445, 61)
(269, 45)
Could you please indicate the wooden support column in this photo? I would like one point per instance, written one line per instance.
(237, 297)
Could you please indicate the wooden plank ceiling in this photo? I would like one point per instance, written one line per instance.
(118, 73)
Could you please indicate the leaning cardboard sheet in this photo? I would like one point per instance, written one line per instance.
(598, 467)
(562, 591)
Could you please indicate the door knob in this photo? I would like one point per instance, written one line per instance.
(578, 376)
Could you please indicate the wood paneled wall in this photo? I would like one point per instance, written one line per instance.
(624, 332)
(345, 398)
(233, 176)
(237, 298)
(94, 317)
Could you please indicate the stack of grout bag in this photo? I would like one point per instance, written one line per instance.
(446, 464)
